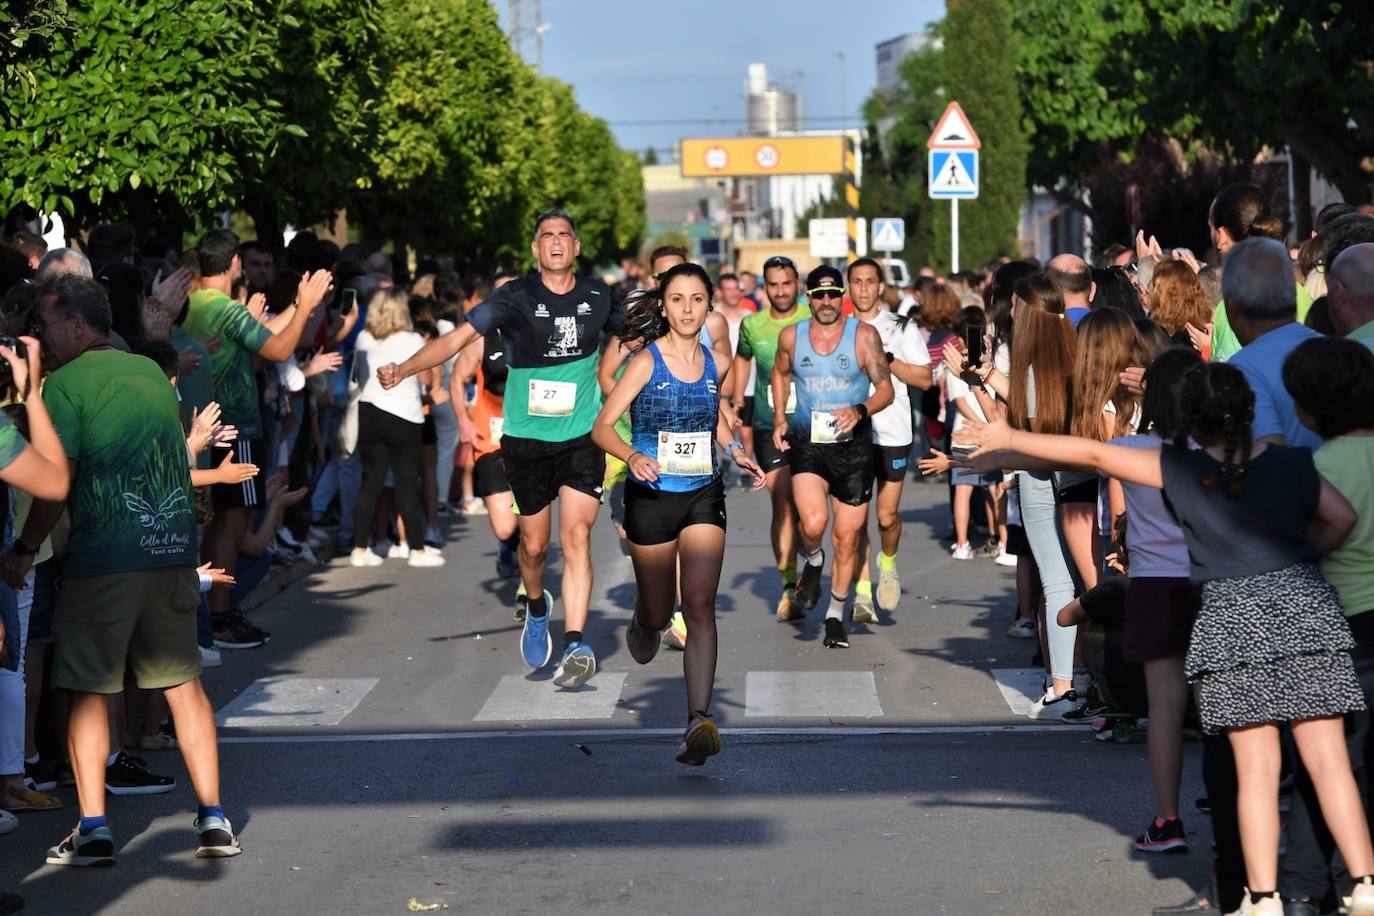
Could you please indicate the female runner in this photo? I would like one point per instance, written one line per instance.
(674, 499)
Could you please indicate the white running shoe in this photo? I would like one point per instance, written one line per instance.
(1004, 558)
(889, 589)
(398, 552)
(962, 552)
(210, 658)
(364, 556)
(425, 556)
(1021, 628)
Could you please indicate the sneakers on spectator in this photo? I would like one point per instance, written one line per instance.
(536, 645)
(8, 822)
(93, 849)
(474, 505)
(316, 537)
(233, 631)
(576, 666)
(398, 552)
(129, 776)
(675, 637)
(961, 552)
(425, 556)
(433, 538)
(1163, 836)
(40, 776)
(308, 554)
(835, 636)
(215, 838)
(1091, 707)
(1361, 899)
(364, 556)
(988, 549)
(1022, 628)
(1004, 558)
(809, 585)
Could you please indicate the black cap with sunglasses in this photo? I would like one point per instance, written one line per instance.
(825, 279)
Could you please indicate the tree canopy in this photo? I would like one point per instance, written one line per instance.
(415, 116)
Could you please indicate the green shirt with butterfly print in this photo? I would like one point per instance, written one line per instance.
(131, 504)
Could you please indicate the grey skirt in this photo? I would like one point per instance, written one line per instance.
(1272, 647)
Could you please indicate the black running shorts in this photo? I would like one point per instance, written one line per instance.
(767, 454)
(846, 466)
(657, 516)
(746, 413)
(248, 494)
(489, 475)
(890, 462)
(537, 470)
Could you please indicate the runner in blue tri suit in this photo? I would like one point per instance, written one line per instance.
(674, 499)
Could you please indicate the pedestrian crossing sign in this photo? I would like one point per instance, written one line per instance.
(953, 174)
(889, 233)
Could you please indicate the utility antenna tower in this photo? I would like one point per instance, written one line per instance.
(527, 21)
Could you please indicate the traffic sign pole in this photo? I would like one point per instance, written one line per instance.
(954, 235)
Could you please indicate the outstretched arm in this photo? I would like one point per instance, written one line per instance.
(438, 351)
(1001, 446)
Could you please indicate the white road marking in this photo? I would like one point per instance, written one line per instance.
(1022, 688)
(834, 731)
(290, 702)
(811, 694)
(517, 699)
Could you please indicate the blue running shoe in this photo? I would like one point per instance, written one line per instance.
(577, 665)
(536, 645)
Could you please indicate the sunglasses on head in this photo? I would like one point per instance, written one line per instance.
(778, 260)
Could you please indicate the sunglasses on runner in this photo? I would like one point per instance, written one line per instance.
(826, 292)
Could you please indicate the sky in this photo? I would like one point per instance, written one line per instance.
(632, 62)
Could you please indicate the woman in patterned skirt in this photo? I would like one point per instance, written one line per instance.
(1271, 644)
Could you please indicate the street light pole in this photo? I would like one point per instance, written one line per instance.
(844, 94)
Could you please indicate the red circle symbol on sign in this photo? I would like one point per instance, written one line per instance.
(767, 156)
(716, 158)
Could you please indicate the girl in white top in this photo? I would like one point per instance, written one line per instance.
(390, 425)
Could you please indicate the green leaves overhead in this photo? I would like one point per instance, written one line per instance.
(414, 115)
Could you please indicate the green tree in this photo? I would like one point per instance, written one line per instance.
(148, 111)
(26, 32)
(650, 156)
(327, 81)
(983, 81)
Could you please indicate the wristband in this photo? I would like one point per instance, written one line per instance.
(862, 409)
(731, 446)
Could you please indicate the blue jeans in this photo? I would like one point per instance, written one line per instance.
(344, 478)
(1040, 518)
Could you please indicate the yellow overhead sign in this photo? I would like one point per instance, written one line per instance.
(738, 156)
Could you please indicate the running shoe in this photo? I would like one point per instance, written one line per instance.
(364, 556)
(1004, 558)
(425, 557)
(94, 849)
(129, 776)
(864, 611)
(809, 585)
(835, 636)
(522, 603)
(889, 592)
(788, 608)
(640, 640)
(962, 552)
(1163, 836)
(536, 645)
(1022, 628)
(8, 822)
(233, 631)
(507, 566)
(675, 637)
(1091, 707)
(215, 838)
(40, 776)
(1068, 697)
(576, 666)
(211, 657)
(701, 741)
(398, 551)
(474, 506)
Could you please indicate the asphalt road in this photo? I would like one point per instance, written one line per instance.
(388, 744)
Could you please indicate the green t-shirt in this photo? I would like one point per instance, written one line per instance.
(235, 387)
(1224, 342)
(1348, 463)
(197, 389)
(12, 442)
(131, 504)
(758, 338)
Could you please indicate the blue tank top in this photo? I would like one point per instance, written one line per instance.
(704, 335)
(674, 422)
(828, 382)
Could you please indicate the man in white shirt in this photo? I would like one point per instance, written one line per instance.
(909, 362)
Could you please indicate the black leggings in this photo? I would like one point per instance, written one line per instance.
(385, 441)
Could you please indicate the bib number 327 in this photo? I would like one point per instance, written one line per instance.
(552, 399)
(684, 454)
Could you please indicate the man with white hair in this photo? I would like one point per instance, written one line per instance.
(61, 261)
(1350, 292)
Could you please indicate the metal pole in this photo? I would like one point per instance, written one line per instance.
(954, 235)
